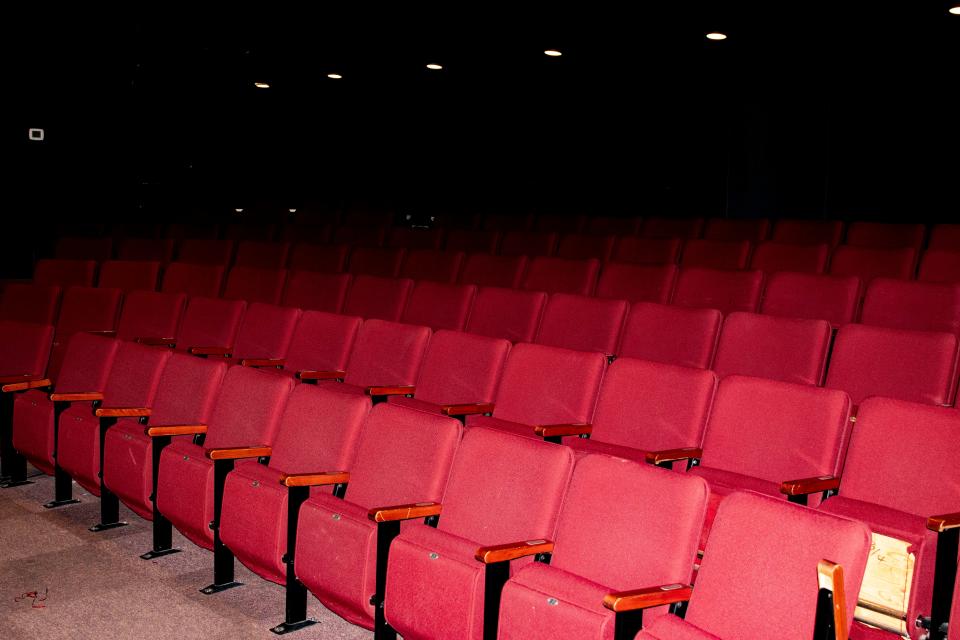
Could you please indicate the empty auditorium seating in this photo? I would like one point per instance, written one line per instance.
(97, 249)
(716, 254)
(255, 285)
(528, 243)
(945, 237)
(439, 306)
(507, 313)
(210, 322)
(582, 323)
(411, 239)
(828, 232)
(193, 279)
(747, 548)
(920, 366)
(472, 241)
(637, 282)
(64, 273)
(726, 291)
(782, 256)
(316, 290)
(883, 235)
(203, 251)
(373, 297)
(940, 266)
(260, 254)
(151, 315)
(660, 227)
(921, 306)
(502, 490)
(868, 263)
(327, 258)
(321, 342)
(560, 275)
(580, 246)
(486, 270)
(669, 334)
(376, 261)
(650, 539)
(614, 225)
(816, 297)
(360, 236)
(787, 349)
(432, 264)
(32, 303)
(24, 350)
(129, 275)
(644, 250)
(83, 309)
(265, 334)
(737, 230)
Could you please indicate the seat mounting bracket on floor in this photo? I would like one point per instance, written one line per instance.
(63, 483)
(223, 577)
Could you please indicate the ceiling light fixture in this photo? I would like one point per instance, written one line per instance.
(261, 85)
(716, 36)
(553, 53)
(955, 10)
(239, 210)
(434, 67)
(334, 76)
(292, 210)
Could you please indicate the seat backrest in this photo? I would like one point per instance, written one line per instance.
(920, 366)
(673, 335)
(316, 291)
(461, 368)
(520, 479)
(210, 322)
(883, 235)
(905, 304)
(409, 238)
(64, 273)
(79, 248)
(187, 390)
(149, 314)
(387, 353)
(815, 297)
(547, 385)
(439, 306)
(787, 349)
(559, 275)
(716, 254)
(582, 323)
(776, 431)
(653, 406)
(945, 237)
(644, 250)
(88, 309)
(868, 263)
(737, 230)
(637, 282)
(485, 270)
(371, 297)
(322, 342)
(507, 313)
(781, 256)
(135, 375)
(432, 264)
(581, 246)
(528, 243)
(129, 275)
(938, 265)
(727, 291)
(24, 348)
(33, 303)
(153, 249)
(326, 258)
(470, 241)
(661, 227)
(262, 255)
(828, 232)
(614, 225)
(266, 331)
(360, 236)
(376, 261)
(205, 251)
(255, 285)
(758, 540)
(86, 363)
(402, 457)
(193, 279)
(248, 408)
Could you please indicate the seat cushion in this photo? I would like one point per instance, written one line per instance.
(128, 466)
(78, 447)
(253, 523)
(185, 491)
(517, 428)
(584, 446)
(722, 484)
(413, 403)
(33, 429)
(673, 628)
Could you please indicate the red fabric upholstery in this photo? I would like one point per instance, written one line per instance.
(643, 250)
(782, 256)
(650, 539)
(32, 303)
(737, 230)
(636, 282)
(193, 279)
(814, 297)
(247, 412)
(828, 232)
(582, 323)
(472, 241)
(726, 291)
(507, 313)
(432, 264)
(660, 227)
(262, 255)
(559, 275)
(24, 348)
(764, 553)
(787, 349)
(502, 489)
(613, 225)
(380, 298)
(319, 431)
(440, 306)
(868, 263)
(528, 243)
(316, 291)
(266, 331)
(149, 314)
(407, 238)
(386, 353)
(64, 273)
(322, 342)
(945, 237)
(94, 248)
(486, 270)
(368, 235)
(716, 254)
(128, 275)
(940, 266)
(85, 368)
(376, 261)
(210, 322)
(403, 457)
(160, 250)
(919, 366)
(326, 258)
(559, 222)
(883, 235)
(83, 309)
(581, 246)
(669, 334)
(255, 285)
(921, 306)
(204, 251)
(185, 395)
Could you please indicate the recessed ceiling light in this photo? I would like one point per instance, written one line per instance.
(955, 11)
(239, 210)
(334, 76)
(261, 85)
(716, 36)
(292, 210)
(553, 53)
(434, 67)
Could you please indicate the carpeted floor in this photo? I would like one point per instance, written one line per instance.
(97, 587)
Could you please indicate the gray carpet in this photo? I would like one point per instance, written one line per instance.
(95, 585)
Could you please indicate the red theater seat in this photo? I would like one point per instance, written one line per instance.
(24, 351)
(265, 334)
(325, 258)
(737, 230)
(507, 313)
(210, 322)
(96, 249)
(412, 239)
(64, 273)
(200, 251)
(360, 236)
(882, 235)
(528, 243)
(255, 285)
(30, 303)
(828, 232)
(561, 223)
(642, 250)
(815, 297)
(672, 335)
(381, 298)
(432, 264)
(559, 275)
(920, 306)
(940, 266)
(507, 221)
(151, 315)
(316, 291)
(869, 263)
(637, 282)
(486, 270)
(614, 225)
(84, 309)
(716, 254)
(581, 246)
(470, 241)
(321, 342)
(781, 256)
(129, 275)
(158, 250)
(376, 261)
(439, 306)
(262, 255)
(660, 227)
(582, 323)
(308, 232)
(249, 230)
(945, 237)
(727, 291)
(193, 279)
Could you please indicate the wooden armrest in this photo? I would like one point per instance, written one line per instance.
(102, 332)
(806, 486)
(156, 342)
(673, 455)
(572, 429)
(263, 362)
(238, 453)
(391, 391)
(321, 375)
(10, 385)
(830, 576)
(122, 412)
(176, 430)
(468, 409)
(405, 511)
(943, 522)
(314, 479)
(512, 550)
(210, 351)
(80, 396)
(646, 598)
